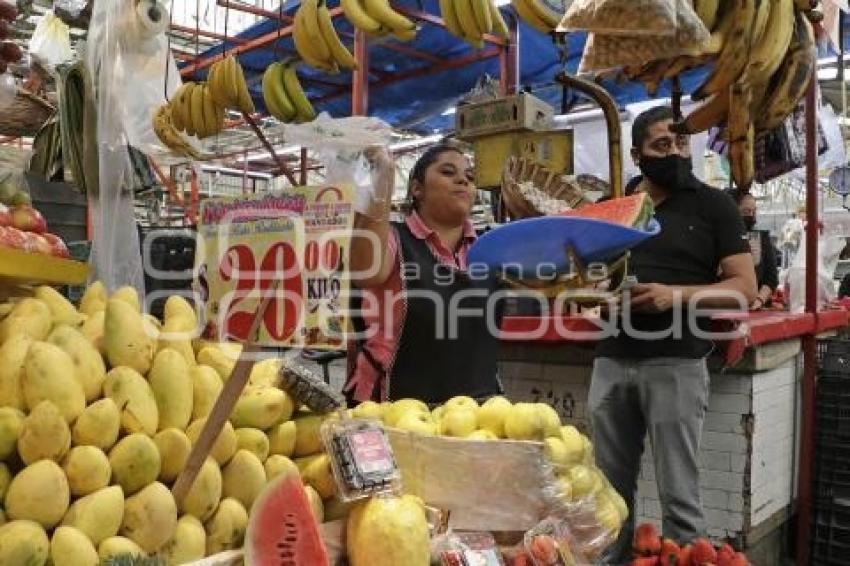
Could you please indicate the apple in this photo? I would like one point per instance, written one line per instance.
(492, 414)
(458, 422)
(482, 434)
(461, 402)
(556, 451)
(437, 413)
(573, 444)
(551, 420)
(5, 216)
(419, 423)
(57, 245)
(565, 488)
(28, 219)
(606, 513)
(619, 503)
(401, 407)
(368, 410)
(12, 238)
(36, 243)
(524, 422)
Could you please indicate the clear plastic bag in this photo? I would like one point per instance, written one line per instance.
(8, 90)
(630, 17)
(552, 543)
(73, 7)
(129, 69)
(13, 184)
(50, 43)
(351, 151)
(829, 250)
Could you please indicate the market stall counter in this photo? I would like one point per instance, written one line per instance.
(751, 433)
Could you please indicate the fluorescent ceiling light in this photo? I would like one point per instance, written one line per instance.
(416, 143)
(239, 172)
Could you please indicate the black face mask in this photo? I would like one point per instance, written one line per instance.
(672, 172)
(749, 222)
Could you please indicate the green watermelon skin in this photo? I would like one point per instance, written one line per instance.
(632, 211)
(282, 530)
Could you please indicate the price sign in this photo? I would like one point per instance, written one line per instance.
(299, 238)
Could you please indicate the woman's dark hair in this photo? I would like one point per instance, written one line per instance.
(428, 158)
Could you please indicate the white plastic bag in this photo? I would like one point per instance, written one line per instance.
(343, 145)
(829, 249)
(8, 89)
(50, 43)
(73, 7)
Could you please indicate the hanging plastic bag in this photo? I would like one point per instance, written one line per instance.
(8, 88)
(346, 147)
(829, 250)
(72, 7)
(631, 17)
(50, 43)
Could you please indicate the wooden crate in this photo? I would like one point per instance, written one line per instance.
(519, 112)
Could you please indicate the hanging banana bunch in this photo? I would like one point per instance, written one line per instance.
(283, 94)
(227, 86)
(762, 69)
(537, 14)
(377, 18)
(469, 20)
(316, 40)
(194, 111)
(170, 136)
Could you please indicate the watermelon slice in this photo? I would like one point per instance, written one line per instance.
(634, 211)
(282, 530)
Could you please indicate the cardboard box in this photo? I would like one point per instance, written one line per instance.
(519, 112)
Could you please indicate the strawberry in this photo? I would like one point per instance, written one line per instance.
(669, 552)
(703, 553)
(684, 556)
(739, 560)
(646, 561)
(647, 541)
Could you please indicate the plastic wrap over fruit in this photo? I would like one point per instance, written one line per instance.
(14, 189)
(50, 43)
(351, 151)
(632, 17)
(8, 88)
(580, 495)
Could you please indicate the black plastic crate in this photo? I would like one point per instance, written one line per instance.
(831, 532)
(834, 356)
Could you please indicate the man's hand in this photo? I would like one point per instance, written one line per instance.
(652, 297)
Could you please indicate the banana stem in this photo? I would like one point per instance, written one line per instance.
(284, 168)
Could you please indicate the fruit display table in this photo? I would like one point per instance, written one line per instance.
(751, 435)
(22, 268)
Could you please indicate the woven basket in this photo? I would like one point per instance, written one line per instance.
(555, 185)
(25, 115)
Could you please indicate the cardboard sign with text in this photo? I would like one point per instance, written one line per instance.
(299, 238)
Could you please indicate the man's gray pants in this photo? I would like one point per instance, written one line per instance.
(666, 398)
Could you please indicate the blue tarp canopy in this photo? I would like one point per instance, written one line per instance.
(418, 103)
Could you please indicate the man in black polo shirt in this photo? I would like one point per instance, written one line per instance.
(652, 377)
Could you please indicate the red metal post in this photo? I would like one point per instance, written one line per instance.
(211, 34)
(809, 385)
(248, 9)
(509, 60)
(360, 77)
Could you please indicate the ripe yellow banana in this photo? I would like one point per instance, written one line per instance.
(792, 80)
(760, 19)
(305, 48)
(185, 104)
(213, 116)
(197, 111)
(710, 113)
(500, 27)
(295, 92)
(404, 34)
(466, 19)
(215, 78)
(337, 48)
(176, 107)
(735, 54)
(381, 11)
(309, 12)
(447, 12)
(274, 95)
(164, 129)
(359, 18)
(707, 10)
(243, 96)
(483, 18)
(527, 13)
(741, 135)
(768, 53)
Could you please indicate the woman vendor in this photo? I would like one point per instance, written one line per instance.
(761, 247)
(422, 337)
